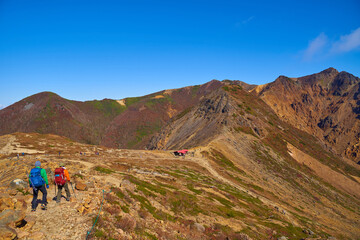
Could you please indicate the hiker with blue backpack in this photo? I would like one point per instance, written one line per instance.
(38, 180)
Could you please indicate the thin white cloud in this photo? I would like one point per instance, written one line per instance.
(322, 47)
(316, 46)
(347, 43)
(245, 22)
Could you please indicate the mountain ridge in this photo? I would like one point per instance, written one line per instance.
(326, 105)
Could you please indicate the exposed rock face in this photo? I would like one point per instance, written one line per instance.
(214, 115)
(201, 124)
(325, 105)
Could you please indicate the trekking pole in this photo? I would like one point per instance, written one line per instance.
(73, 189)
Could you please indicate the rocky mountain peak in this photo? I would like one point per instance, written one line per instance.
(329, 71)
(343, 82)
(323, 78)
(323, 104)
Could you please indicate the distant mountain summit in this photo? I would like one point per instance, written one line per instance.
(325, 105)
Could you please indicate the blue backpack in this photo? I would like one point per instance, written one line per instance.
(36, 178)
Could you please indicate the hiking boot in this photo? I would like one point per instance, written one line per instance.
(68, 199)
(44, 207)
(33, 209)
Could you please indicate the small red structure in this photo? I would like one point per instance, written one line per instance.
(181, 152)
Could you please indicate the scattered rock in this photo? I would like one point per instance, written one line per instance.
(12, 192)
(6, 203)
(18, 184)
(30, 222)
(9, 216)
(90, 184)
(37, 236)
(80, 209)
(81, 186)
(282, 238)
(22, 234)
(198, 227)
(242, 236)
(308, 231)
(7, 233)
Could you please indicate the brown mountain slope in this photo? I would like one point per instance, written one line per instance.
(47, 112)
(147, 115)
(325, 105)
(128, 123)
(250, 147)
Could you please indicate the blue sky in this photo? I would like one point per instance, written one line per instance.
(85, 50)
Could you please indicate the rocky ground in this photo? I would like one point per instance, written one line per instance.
(154, 195)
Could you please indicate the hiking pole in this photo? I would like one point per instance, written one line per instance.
(73, 189)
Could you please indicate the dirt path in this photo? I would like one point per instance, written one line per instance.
(59, 222)
(14, 147)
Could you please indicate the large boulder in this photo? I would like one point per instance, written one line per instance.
(80, 185)
(18, 184)
(7, 233)
(11, 216)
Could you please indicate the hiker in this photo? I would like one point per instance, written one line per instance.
(37, 180)
(62, 178)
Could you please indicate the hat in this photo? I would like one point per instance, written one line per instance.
(61, 164)
(37, 164)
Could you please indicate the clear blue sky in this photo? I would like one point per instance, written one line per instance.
(85, 50)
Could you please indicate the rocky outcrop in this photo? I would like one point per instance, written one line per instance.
(324, 104)
(12, 214)
(196, 127)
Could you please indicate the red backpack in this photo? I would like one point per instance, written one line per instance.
(60, 176)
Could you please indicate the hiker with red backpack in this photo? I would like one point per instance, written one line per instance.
(62, 178)
(38, 180)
